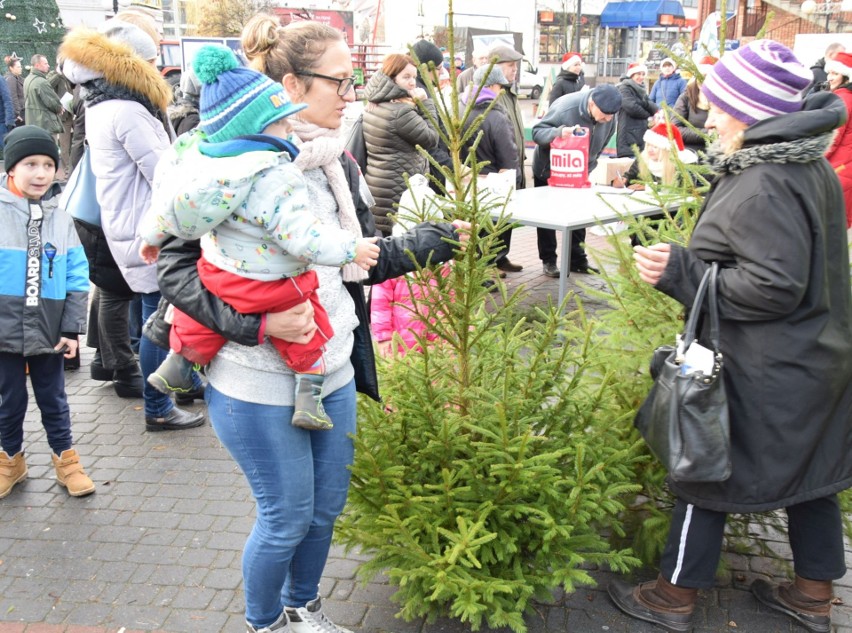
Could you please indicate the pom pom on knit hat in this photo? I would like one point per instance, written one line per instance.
(841, 64)
(758, 81)
(636, 67)
(236, 101)
(662, 135)
(571, 59)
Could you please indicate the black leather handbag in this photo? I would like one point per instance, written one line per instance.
(684, 419)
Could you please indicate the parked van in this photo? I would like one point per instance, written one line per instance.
(531, 80)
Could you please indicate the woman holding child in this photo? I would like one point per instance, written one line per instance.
(299, 477)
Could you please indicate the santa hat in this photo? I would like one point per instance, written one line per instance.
(841, 64)
(636, 67)
(662, 135)
(706, 63)
(570, 59)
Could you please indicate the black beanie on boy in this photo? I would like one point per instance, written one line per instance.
(28, 140)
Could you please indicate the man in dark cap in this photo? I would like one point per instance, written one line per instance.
(425, 52)
(594, 110)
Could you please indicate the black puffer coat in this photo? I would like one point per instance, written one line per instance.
(393, 127)
(636, 107)
(180, 284)
(566, 83)
(774, 220)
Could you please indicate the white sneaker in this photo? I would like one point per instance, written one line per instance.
(311, 619)
(281, 625)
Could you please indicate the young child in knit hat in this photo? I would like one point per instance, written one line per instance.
(234, 185)
(45, 284)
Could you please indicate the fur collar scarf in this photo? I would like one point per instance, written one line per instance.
(803, 150)
(90, 55)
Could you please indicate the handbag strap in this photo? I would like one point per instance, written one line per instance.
(708, 282)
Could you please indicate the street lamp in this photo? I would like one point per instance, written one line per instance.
(826, 8)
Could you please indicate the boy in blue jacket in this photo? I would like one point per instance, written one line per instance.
(44, 288)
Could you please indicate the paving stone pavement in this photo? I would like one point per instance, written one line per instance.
(158, 547)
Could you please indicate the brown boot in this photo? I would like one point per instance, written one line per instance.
(657, 601)
(807, 601)
(70, 473)
(13, 470)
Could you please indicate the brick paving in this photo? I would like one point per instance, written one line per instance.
(157, 548)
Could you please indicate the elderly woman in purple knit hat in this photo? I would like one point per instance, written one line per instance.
(774, 221)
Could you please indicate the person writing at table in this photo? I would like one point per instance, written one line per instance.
(595, 111)
(299, 478)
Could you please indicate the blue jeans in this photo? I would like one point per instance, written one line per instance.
(299, 480)
(157, 404)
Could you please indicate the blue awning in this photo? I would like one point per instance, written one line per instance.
(645, 13)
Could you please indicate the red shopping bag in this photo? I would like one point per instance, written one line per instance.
(569, 160)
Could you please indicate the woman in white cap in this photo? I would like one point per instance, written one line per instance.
(636, 109)
(774, 221)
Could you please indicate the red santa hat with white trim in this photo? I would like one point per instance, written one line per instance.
(569, 59)
(841, 64)
(662, 135)
(636, 67)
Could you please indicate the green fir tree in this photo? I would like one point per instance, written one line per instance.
(28, 27)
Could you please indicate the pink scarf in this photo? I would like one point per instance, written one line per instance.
(322, 147)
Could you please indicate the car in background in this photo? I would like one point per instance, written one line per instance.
(531, 81)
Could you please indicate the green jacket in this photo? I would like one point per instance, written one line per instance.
(508, 99)
(41, 104)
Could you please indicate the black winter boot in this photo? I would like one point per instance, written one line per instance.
(807, 601)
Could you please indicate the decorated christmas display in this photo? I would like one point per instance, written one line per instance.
(28, 27)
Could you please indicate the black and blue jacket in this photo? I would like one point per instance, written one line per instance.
(64, 286)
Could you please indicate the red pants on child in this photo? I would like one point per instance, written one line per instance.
(200, 344)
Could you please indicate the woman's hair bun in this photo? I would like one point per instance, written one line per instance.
(211, 61)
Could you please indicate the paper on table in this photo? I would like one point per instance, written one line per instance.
(607, 190)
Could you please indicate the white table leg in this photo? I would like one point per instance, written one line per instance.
(564, 263)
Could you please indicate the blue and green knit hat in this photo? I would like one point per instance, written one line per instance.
(236, 101)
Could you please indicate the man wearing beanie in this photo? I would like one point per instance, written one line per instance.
(45, 291)
(594, 110)
(232, 179)
(425, 52)
(570, 79)
(774, 222)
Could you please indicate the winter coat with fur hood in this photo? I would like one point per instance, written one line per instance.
(774, 221)
(393, 128)
(127, 131)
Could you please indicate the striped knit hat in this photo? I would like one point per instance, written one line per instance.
(760, 80)
(236, 101)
